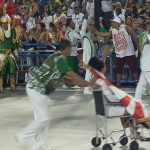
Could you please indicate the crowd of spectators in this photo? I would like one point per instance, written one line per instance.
(45, 21)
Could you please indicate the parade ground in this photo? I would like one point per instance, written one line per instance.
(72, 123)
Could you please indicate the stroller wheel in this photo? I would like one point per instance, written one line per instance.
(107, 147)
(123, 140)
(134, 145)
(96, 142)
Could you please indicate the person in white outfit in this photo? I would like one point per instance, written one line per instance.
(90, 9)
(89, 49)
(77, 17)
(41, 82)
(47, 20)
(145, 65)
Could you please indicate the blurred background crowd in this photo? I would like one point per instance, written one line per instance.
(49, 21)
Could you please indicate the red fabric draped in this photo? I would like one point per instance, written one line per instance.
(1, 4)
(125, 100)
(11, 8)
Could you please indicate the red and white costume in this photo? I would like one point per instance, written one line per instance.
(113, 94)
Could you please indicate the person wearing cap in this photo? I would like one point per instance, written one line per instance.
(73, 35)
(7, 61)
(125, 53)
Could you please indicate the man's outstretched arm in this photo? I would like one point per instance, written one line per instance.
(76, 79)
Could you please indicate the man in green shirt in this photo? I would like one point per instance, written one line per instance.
(42, 81)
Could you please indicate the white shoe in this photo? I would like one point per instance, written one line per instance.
(46, 148)
(146, 93)
(87, 92)
(23, 145)
(76, 87)
(65, 86)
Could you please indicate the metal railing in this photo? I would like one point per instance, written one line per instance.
(34, 58)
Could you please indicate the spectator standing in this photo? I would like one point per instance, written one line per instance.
(77, 17)
(107, 12)
(89, 49)
(90, 9)
(145, 64)
(147, 8)
(124, 48)
(71, 7)
(118, 6)
(73, 37)
(135, 27)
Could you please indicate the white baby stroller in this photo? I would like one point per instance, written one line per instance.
(103, 108)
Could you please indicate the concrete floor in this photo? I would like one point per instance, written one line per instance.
(72, 125)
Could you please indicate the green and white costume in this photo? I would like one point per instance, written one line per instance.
(89, 49)
(40, 82)
(7, 62)
(73, 37)
(142, 38)
(144, 80)
(48, 77)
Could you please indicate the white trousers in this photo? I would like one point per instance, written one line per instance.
(39, 126)
(143, 83)
(88, 74)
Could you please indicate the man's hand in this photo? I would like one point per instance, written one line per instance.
(84, 66)
(77, 80)
(94, 86)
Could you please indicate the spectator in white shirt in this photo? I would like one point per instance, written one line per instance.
(71, 7)
(32, 21)
(30, 24)
(118, 6)
(107, 12)
(77, 17)
(90, 9)
(47, 20)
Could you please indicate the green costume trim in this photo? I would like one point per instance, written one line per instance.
(75, 41)
(9, 65)
(47, 78)
(8, 44)
(73, 63)
(72, 60)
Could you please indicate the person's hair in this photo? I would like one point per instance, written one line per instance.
(36, 15)
(69, 21)
(146, 24)
(96, 63)
(129, 18)
(64, 43)
(118, 11)
(135, 11)
(52, 25)
(42, 25)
